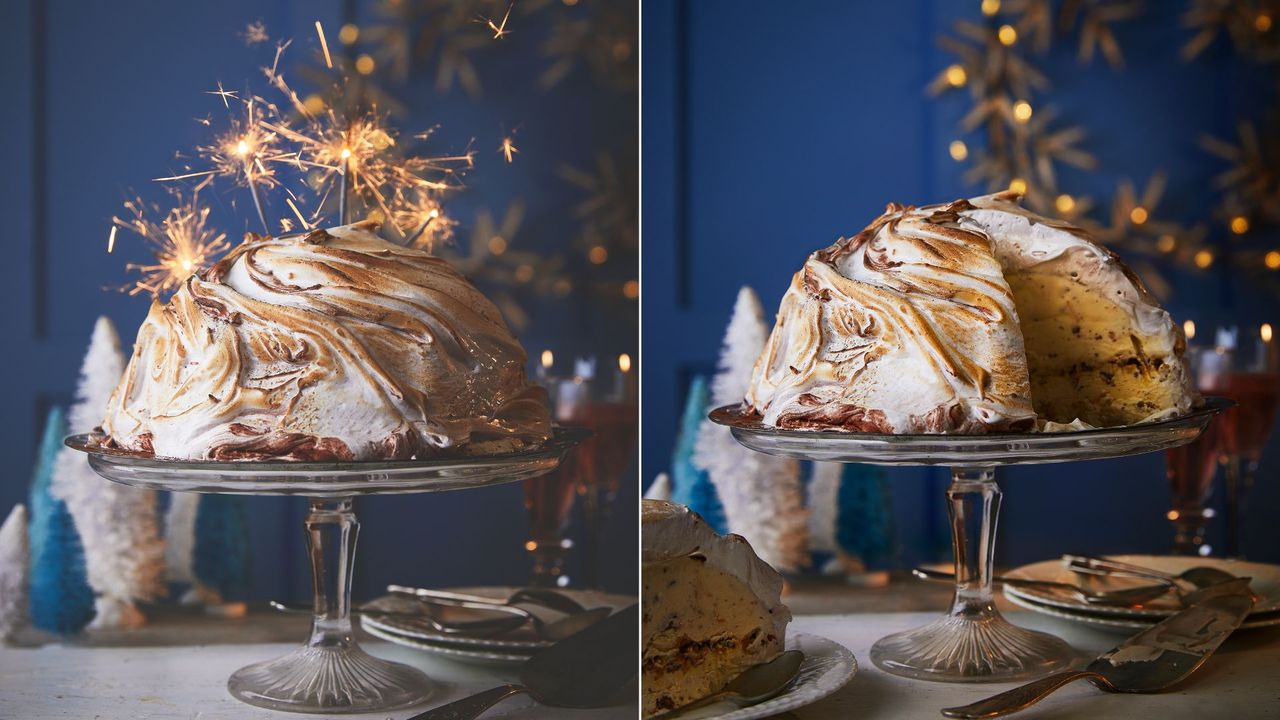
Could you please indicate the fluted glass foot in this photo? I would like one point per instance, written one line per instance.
(982, 647)
(329, 680)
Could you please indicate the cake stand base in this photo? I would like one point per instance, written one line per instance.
(329, 680)
(971, 647)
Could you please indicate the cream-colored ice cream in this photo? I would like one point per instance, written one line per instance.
(334, 345)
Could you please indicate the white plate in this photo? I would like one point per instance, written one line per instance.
(1265, 583)
(827, 666)
(522, 640)
(474, 656)
(1108, 622)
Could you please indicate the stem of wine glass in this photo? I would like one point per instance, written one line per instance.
(974, 504)
(1232, 490)
(331, 541)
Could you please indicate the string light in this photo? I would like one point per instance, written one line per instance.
(1166, 243)
(959, 151)
(524, 273)
(1007, 35)
(365, 64)
(1138, 215)
(1262, 22)
(497, 244)
(1018, 185)
(956, 76)
(631, 290)
(990, 7)
(1239, 224)
(1203, 259)
(1022, 111)
(1272, 260)
(598, 255)
(1064, 203)
(1265, 332)
(1189, 329)
(348, 34)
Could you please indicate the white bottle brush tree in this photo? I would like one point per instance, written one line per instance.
(761, 494)
(124, 554)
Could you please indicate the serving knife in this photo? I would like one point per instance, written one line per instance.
(1152, 660)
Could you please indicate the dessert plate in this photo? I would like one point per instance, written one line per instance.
(522, 641)
(494, 657)
(827, 666)
(1120, 622)
(1265, 583)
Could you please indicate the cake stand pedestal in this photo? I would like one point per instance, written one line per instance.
(972, 642)
(330, 673)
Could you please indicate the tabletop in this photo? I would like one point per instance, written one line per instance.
(177, 666)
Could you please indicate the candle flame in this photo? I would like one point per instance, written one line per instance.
(624, 362)
(1265, 332)
(1189, 329)
(548, 359)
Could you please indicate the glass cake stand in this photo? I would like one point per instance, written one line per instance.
(330, 673)
(972, 642)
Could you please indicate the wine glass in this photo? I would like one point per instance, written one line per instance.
(549, 499)
(1254, 383)
(1192, 467)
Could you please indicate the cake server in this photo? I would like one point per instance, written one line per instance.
(586, 670)
(1150, 661)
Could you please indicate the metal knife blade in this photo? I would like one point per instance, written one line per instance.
(1162, 655)
(1152, 660)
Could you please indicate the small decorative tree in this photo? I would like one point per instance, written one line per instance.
(220, 563)
(761, 494)
(118, 524)
(14, 566)
(61, 600)
(690, 484)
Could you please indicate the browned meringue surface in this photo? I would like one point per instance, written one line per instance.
(907, 327)
(336, 345)
(971, 317)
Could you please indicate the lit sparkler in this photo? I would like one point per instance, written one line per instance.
(508, 149)
(500, 29)
(183, 243)
(422, 222)
(244, 152)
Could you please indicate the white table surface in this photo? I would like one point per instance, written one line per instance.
(119, 683)
(1240, 682)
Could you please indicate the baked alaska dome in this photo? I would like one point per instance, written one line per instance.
(973, 317)
(334, 345)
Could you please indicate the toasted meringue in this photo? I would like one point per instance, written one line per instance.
(335, 345)
(972, 317)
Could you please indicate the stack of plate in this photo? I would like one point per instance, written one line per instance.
(510, 648)
(1265, 584)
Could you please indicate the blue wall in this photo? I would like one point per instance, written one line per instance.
(112, 95)
(770, 129)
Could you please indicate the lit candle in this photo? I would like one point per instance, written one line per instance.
(1189, 329)
(544, 368)
(624, 382)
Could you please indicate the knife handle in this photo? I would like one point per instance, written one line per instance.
(471, 707)
(1020, 698)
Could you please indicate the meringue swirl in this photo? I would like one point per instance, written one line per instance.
(336, 345)
(906, 327)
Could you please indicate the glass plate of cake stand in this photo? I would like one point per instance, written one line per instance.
(972, 642)
(330, 673)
